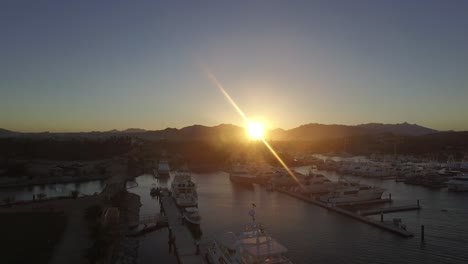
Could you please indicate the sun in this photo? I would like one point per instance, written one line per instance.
(255, 130)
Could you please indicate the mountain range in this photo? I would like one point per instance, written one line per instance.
(227, 132)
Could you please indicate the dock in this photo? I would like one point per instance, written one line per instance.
(389, 210)
(381, 225)
(147, 224)
(184, 243)
(365, 202)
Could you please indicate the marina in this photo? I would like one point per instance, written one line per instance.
(234, 132)
(318, 242)
(215, 190)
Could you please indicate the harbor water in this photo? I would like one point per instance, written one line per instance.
(52, 190)
(315, 235)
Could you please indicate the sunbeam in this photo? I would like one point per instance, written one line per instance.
(215, 81)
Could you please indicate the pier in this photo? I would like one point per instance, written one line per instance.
(185, 246)
(147, 224)
(382, 225)
(365, 202)
(389, 210)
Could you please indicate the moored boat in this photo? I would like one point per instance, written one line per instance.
(241, 174)
(458, 183)
(314, 183)
(192, 219)
(251, 246)
(191, 215)
(163, 168)
(184, 190)
(352, 191)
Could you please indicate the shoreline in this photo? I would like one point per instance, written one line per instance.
(55, 180)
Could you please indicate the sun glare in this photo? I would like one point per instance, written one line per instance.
(255, 130)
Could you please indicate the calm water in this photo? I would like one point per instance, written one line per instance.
(314, 235)
(52, 190)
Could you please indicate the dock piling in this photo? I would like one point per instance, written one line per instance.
(422, 232)
(418, 202)
(169, 241)
(381, 217)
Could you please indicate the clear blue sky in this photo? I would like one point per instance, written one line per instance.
(99, 65)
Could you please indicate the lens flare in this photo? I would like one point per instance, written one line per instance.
(247, 121)
(256, 130)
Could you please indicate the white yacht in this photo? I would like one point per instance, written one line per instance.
(241, 174)
(317, 183)
(352, 191)
(458, 183)
(163, 167)
(184, 190)
(191, 215)
(252, 246)
(264, 173)
(192, 219)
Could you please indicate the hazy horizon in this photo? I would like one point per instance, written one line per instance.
(72, 66)
(214, 125)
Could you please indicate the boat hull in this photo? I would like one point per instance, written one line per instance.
(183, 203)
(191, 221)
(193, 225)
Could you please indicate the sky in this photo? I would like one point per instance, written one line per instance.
(100, 65)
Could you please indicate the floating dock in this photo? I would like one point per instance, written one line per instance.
(389, 210)
(184, 244)
(365, 202)
(382, 225)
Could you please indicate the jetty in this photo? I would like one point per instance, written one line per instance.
(389, 210)
(382, 225)
(186, 248)
(378, 201)
(147, 224)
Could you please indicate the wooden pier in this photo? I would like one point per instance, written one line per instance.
(184, 244)
(382, 225)
(389, 210)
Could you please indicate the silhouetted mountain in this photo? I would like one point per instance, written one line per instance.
(319, 131)
(399, 129)
(226, 132)
(7, 133)
(128, 130)
(221, 132)
(133, 130)
(314, 132)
